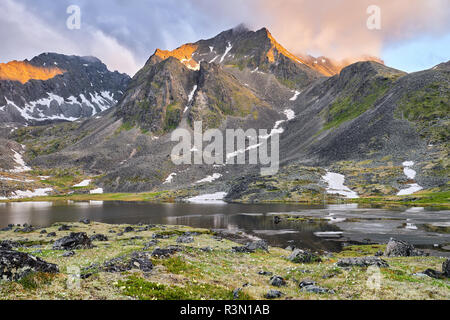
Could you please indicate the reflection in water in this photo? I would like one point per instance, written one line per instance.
(320, 227)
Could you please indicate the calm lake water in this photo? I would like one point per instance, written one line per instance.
(325, 227)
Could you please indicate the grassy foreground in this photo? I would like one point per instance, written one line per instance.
(194, 273)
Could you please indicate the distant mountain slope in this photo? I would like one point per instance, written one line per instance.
(55, 87)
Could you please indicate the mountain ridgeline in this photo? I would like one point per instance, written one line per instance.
(363, 121)
(53, 87)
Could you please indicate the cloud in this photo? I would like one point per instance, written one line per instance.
(338, 28)
(24, 35)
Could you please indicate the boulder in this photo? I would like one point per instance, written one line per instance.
(73, 241)
(9, 245)
(185, 239)
(51, 234)
(446, 268)
(362, 262)
(277, 281)
(64, 227)
(399, 248)
(128, 229)
(273, 294)
(312, 287)
(165, 252)
(252, 247)
(98, 237)
(150, 244)
(301, 256)
(85, 221)
(15, 265)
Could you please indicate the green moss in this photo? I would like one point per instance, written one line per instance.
(173, 116)
(145, 290)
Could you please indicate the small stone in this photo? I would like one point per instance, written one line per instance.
(68, 254)
(236, 293)
(206, 249)
(51, 234)
(446, 268)
(64, 227)
(43, 231)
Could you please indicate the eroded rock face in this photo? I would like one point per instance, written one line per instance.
(362, 262)
(399, 248)
(15, 265)
(78, 240)
(301, 256)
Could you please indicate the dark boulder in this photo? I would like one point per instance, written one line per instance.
(150, 244)
(9, 245)
(446, 268)
(399, 248)
(277, 281)
(128, 229)
(68, 254)
(73, 241)
(273, 294)
(265, 273)
(15, 265)
(51, 234)
(137, 260)
(98, 237)
(301, 256)
(362, 262)
(252, 247)
(64, 227)
(165, 252)
(85, 221)
(311, 287)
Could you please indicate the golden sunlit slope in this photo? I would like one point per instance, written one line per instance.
(23, 72)
(183, 53)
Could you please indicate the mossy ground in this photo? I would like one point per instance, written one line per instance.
(196, 274)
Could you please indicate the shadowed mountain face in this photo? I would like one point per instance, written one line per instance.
(53, 87)
(368, 116)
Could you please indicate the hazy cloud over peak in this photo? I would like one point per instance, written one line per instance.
(124, 33)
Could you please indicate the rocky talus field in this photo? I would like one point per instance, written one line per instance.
(89, 260)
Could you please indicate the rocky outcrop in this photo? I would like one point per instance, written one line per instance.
(15, 265)
(399, 248)
(73, 241)
(362, 262)
(311, 287)
(302, 256)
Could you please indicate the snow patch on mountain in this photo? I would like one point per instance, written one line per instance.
(410, 174)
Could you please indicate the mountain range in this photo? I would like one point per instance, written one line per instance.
(362, 124)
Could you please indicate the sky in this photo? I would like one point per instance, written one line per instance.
(413, 35)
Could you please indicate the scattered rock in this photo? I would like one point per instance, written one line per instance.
(137, 260)
(51, 234)
(162, 236)
(85, 221)
(98, 237)
(43, 231)
(273, 294)
(277, 281)
(236, 293)
(150, 244)
(433, 274)
(399, 248)
(363, 262)
(128, 229)
(301, 256)
(310, 286)
(165, 252)
(73, 241)
(64, 227)
(185, 239)
(252, 247)
(206, 249)
(26, 229)
(15, 265)
(68, 254)
(265, 273)
(276, 219)
(9, 245)
(8, 228)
